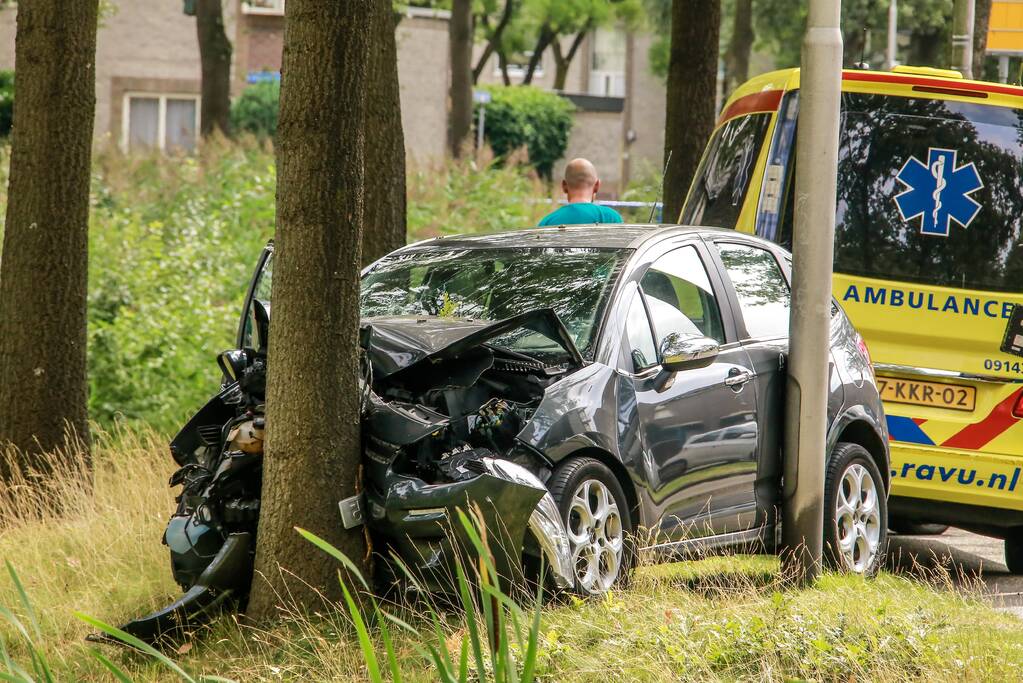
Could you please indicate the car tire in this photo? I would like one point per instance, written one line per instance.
(1014, 551)
(583, 489)
(856, 511)
(911, 528)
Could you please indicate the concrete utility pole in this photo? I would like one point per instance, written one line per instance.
(806, 408)
(891, 53)
(962, 36)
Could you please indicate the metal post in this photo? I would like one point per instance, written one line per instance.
(891, 53)
(813, 245)
(480, 126)
(1003, 68)
(962, 36)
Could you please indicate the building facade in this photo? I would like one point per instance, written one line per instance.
(148, 88)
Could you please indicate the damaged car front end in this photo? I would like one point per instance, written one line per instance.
(447, 399)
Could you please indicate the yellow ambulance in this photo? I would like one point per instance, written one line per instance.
(928, 264)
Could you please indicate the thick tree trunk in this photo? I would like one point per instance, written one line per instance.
(692, 86)
(385, 154)
(495, 39)
(43, 272)
(215, 55)
(982, 17)
(737, 57)
(312, 450)
(460, 45)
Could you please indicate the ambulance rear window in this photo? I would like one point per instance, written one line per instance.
(721, 182)
(930, 191)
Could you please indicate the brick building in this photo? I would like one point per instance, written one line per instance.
(147, 81)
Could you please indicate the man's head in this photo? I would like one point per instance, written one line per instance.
(581, 182)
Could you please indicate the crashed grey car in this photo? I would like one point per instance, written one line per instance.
(598, 391)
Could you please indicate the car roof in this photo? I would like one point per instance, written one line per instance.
(608, 236)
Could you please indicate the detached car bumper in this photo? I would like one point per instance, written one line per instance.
(421, 521)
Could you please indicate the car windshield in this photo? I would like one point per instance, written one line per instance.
(494, 284)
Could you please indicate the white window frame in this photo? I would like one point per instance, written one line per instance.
(278, 11)
(161, 121)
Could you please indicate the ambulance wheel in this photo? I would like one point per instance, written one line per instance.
(1014, 551)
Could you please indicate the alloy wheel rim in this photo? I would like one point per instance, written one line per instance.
(596, 536)
(858, 518)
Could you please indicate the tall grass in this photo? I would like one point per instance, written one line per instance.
(99, 553)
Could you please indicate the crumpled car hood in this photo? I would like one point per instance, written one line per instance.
(398, 343)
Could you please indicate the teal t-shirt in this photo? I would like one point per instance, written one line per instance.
(581, 213)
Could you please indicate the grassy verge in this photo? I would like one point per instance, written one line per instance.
(717, 619)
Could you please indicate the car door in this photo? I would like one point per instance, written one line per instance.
(762, 298)
(698, 426)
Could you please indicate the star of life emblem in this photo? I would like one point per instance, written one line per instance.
(938, 192)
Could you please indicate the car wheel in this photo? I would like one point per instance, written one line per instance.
(1014, 551)
(856, 511)
(596, 516)
(910, 528)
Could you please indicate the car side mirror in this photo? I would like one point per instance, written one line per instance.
(679, 352)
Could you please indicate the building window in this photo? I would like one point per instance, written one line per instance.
(518, 65)
(607, 68)
(166, 122)
(263, 6)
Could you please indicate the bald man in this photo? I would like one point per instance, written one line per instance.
(580, 186)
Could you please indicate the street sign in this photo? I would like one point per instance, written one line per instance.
(481, 97)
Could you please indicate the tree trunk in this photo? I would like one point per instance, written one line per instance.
(215, 55)
(495, 39)
(692, 86)
(542, 42)
(982, 17)
(737, 58)
(502, 64)
(460, 44)
(385, 156)
(563, 61)
(43, 278)
(312, 450)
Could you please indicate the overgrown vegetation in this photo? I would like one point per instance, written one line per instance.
(6, 102)
(255, 110)
(98, 552)
(526, 117)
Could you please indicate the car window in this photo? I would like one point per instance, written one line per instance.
(680, 297)
(640, 341)
(760, 287)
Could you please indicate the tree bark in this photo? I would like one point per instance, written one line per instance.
(502, 64)
(737, 57)
(460, 44)
(981, 19)
(563, 61)
(692, 86)
(495, 39)
(542, 42)
(43, 272)
(215, 57)
(312, 449)
(384, 223)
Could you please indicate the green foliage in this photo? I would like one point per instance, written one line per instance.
(172, 245)
(532, 118)
(255, 111)
(480, 598)
(6, 102)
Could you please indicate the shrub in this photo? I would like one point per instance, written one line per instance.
(528, 117)
(6, 102)
(255, 111)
